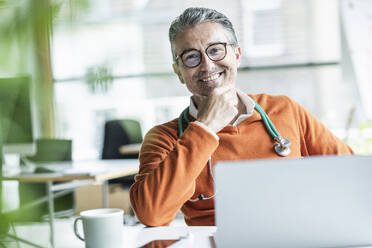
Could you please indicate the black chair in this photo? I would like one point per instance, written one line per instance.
(119, 133)
(48, 150)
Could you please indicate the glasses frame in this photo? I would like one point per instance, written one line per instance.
(205, 51)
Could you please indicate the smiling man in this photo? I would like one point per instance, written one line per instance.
(221, 123)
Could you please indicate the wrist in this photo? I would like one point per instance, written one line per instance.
(207, 128)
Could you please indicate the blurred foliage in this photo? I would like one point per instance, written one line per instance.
(361, 138)
(365, 131)
(17, 14)
(21, 22)
(99, 78)
(365, 125)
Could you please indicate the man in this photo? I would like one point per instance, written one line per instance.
(224, 125)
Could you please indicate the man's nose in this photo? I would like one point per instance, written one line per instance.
(206, 64)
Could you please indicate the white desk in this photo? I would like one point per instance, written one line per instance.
(201, 235)
(133, 237)
(75, 174)
(97, 170)
(130, 149)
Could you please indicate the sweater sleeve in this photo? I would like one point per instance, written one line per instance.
(168, 170)
(316, 139)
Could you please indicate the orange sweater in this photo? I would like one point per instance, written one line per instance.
(174, 169)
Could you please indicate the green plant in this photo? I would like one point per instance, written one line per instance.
(99, 78)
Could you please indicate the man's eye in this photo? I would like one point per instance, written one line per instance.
(192, 56)
(215, 50)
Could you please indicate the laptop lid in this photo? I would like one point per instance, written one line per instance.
(310, 202)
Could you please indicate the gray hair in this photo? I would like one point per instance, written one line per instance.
(195, 16)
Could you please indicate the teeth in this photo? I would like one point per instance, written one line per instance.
(213, 77)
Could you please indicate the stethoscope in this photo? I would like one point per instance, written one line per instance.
(281, 146)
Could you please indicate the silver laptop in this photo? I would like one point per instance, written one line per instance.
(310, 202)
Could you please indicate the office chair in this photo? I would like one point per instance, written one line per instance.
(48, 150)
(118, 133)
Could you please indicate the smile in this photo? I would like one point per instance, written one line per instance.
(212, 77)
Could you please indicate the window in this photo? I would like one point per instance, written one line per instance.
(129, 38)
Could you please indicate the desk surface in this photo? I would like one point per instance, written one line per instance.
(130, 149)
(133, 236)
(200, 235)
(97, 170)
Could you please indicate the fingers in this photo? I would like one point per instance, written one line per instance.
(226, 94)
(219, 108)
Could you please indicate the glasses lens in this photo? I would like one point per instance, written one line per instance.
(191, 58)
(216, 51)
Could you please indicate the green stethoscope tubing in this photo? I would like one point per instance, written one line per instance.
(268, 123)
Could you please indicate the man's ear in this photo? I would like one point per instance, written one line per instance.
(238, 54)
(177, 71)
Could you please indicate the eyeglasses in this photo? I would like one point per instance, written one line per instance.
(192, 57)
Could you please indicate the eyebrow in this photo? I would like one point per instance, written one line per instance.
(188, 50)
(216, 42)
(208, 44)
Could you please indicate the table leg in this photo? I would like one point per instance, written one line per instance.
(105, 194)
(51, 212)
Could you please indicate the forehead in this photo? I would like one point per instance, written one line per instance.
(200, 36)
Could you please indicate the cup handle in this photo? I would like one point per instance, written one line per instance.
(75, 229)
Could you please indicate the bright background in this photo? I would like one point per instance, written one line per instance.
(310, 50)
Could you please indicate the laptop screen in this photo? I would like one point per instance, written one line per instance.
(311, 202)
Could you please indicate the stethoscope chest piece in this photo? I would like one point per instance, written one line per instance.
(283, 147)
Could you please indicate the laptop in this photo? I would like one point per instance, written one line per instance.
(309, 202)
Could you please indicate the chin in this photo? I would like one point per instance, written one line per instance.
(210, 85)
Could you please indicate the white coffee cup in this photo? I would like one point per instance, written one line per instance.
(102, 227)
